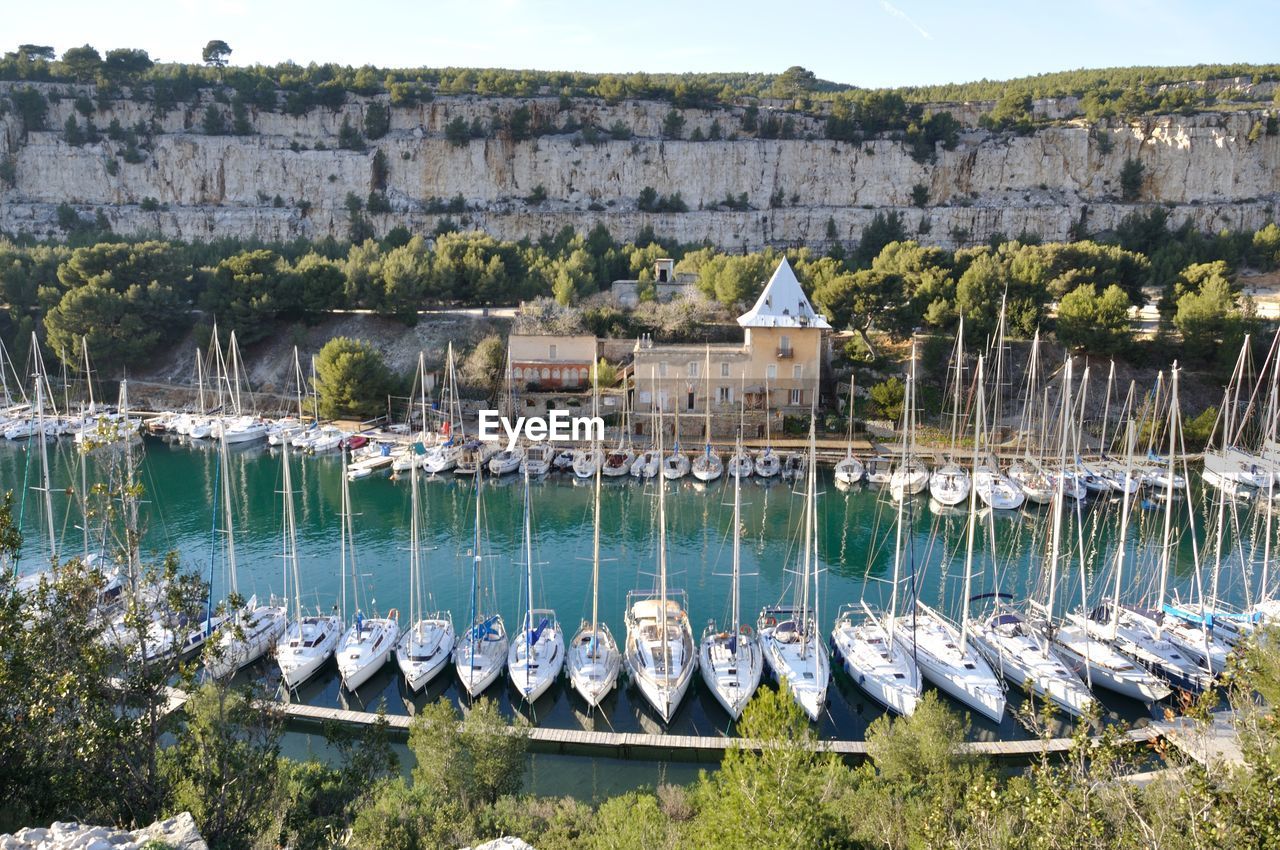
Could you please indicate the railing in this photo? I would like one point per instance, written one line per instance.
(786, 353)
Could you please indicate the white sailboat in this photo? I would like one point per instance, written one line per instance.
(873, 656)
(310, 639)
(481, 651)
(675, 465)
(426, 646)
(731, 659)
(708, 466)
(618, 462)
(792, 642)
(253, 630)
(369, 642)
(949, 484)
(536, 656)
(768, 464)
(507, 460)
(452, 435)
(849, 469)
(594, 659)
(1016, 649)
(660, 654)
(910, 476)
(943, 651)
(741, 464)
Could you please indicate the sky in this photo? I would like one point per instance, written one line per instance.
(860, 42)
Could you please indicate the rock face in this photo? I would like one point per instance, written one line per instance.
(288, 179)
(178, 833)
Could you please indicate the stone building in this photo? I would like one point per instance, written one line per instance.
(552, 361)
(775, 369)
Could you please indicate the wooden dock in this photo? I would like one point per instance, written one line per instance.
(676, 747)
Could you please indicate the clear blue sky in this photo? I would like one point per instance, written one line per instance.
(863, 42)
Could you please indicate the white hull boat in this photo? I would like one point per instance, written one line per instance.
(884, 669)
(305, 647)
(365, 648)
(963, 674)
(536, 656)
(425, 649)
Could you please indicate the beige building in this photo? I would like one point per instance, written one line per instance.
(776, 368)
(552, 361)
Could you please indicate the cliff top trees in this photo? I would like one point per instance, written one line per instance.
(216, 53)
(1097, 322)
(82, 63)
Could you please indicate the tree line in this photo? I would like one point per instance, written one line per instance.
(130, 300)
(298, 88)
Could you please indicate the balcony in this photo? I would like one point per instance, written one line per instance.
(786, 353)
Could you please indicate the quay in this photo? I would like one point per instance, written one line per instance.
(1215, 742)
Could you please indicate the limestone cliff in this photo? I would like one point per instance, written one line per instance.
(288, 179)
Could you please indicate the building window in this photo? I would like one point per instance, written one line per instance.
(724, 370)
(693, 368)
(546, 373)
(662, 369)
(724, 395)
(518, 373)
(771, 371)
(797, 372)
(785, 343)
(553, 351)
(691, 401)
(797, 397)
(555, 374)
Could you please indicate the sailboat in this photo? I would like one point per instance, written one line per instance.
(849, 469)
(310, 639)
(1028, 471)
(741, 464)
(427, 645)
(286, 428)
(618, 462)
(943, 651)
(996, 490)
(452, 435)
(731, 659)
(254, 629)
(768, 464)
(708, 466)
(508, 459)
(594, 660)
(873, 656)
(660, 654)
(910, 476)
(536, 656)
(1130, 632)
(789, 634)
(1097, 662)
(481, 651)
(949, 484)
(648, 463)
(586, 460)
(240, 427)
(368, 643)
(676, 464)
(1017, 650)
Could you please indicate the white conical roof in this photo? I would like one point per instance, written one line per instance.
(783, 304)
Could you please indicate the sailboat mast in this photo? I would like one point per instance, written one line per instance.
(297, 380)
(1124, 526)
(1060, 491)
(737, 543)
(342, 536)
(812, 472)
(290, 531)
(595, 555)
(980, 415)
(955, 405)
(415, 558)
(1165, 554)
(528, 569)
(1106, 409)
(707, 369)
(662, 563)
(229, 531)
(50, 529)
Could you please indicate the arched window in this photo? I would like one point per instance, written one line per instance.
(546, 373)
(517, 373)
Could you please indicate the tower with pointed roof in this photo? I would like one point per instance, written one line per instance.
(781, 351)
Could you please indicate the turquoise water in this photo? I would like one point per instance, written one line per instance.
(856, 544)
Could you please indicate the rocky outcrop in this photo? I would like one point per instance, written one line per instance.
(287, 180)
(176, 833)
